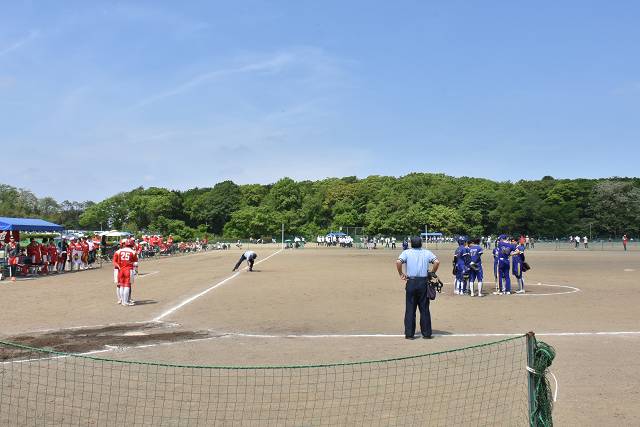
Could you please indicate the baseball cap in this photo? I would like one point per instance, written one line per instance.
(502, 236)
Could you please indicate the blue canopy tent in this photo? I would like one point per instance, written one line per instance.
(431, 234)
(28, 224)
(12, 226)
(336, 234)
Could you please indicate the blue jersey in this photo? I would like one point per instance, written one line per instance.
(463, 255)
(475, 252)
(518, 258)
(505, 249)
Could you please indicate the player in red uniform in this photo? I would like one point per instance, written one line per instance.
(84, 245)
(33, 252)
(53, 256)
(44, 256)
(125, 260)
(77, 256)
(12, 251)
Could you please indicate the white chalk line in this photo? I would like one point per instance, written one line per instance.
(348, 336)
(188, 300)
(140, 276)
(573, 289)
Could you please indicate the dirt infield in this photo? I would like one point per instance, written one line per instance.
(333, 305)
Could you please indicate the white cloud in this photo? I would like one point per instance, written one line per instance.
(22, 42)
(272, 64)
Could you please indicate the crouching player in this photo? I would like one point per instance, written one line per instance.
(475, 266)
(125, 261)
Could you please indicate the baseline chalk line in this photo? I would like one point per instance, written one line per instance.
(188, 300)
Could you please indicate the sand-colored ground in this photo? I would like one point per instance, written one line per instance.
(333, 305)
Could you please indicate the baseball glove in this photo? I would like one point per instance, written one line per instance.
(525, 266)
(435, 281)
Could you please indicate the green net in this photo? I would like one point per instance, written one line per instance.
(543, 401)
(479, 385)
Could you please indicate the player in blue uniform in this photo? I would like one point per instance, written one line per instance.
(516, 265)
(461, 266)
(495, 252)
(475, 266)
(505, 250)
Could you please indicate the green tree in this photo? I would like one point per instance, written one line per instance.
(286, 195)
(112, 213)
(145, 206)
(616, 206)
(215, 206)
(445, 220)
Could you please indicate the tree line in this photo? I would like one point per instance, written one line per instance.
(381, 204)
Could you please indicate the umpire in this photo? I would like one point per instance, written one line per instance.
(250, 257)
(417, 276)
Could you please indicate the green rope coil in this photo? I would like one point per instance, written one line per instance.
(543, 357)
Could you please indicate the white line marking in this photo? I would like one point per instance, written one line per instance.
(188, 300)
(232, 335)
(573, 290)
(140, 276)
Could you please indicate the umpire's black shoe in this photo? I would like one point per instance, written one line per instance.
(410, 337)
(233, 270)
(427, 337)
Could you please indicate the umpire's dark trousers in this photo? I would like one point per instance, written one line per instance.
(417, 299)
(243, 258)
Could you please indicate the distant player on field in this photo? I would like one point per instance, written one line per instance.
(461, 265)
(125, 260)
(505, 250)
(475, 266)
(516, 265)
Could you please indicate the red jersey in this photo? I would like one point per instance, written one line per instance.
(125, 260)
(12, 260)
(33, 251)
(169, 241)
(53, 253)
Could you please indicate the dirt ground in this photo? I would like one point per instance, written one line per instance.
(333, 305)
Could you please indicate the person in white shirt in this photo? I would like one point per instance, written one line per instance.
(250, 257)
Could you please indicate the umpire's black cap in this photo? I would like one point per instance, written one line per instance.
(416, 242)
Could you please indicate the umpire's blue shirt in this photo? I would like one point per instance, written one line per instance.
(417, 261)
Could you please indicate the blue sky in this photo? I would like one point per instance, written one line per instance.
(102, 97)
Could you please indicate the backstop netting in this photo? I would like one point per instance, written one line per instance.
(480, 385)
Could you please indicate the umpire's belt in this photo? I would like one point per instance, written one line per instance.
(417, 277)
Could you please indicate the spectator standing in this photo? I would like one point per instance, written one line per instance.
(12, 252)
